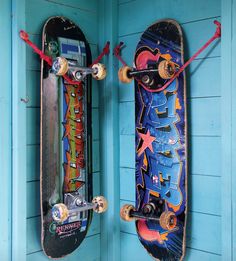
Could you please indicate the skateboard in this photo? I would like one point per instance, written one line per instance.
(160, 210)
(66, 188)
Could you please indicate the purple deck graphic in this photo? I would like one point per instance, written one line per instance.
(160, 119)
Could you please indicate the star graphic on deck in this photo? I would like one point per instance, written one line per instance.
(147, 140)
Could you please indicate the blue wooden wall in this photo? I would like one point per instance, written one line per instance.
(211, 232)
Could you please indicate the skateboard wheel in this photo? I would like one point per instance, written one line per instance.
(60, 212)
(60, 66)
(99, 71)
(168, 220)
(123, 74)
(166, 69)
(125, 212)
(101, 204)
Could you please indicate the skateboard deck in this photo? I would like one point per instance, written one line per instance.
(161, 142)
(66, 137)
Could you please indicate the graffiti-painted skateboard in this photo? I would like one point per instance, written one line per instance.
(161, 142)
(66, 137)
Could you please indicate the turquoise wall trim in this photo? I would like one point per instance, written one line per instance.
(233, 213)
(18, 134)
(227, 123)
(5, 131)
(109, 133)
(211, 81)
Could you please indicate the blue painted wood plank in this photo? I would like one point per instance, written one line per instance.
(203, 78)
(126, 91)
(90, 6)
(204, 156)
(18, 133)
(109, 112)
(127, 122)
(5, 135)
(196, 35)
(33, 199)
(196, 255)
(33, 126)
(33, 234)
(95, 123)
(96, 184)
(127, 151)
(33, 88)
(96, 156)
(204, 232)
(131, 249)
(87, 20)
(230, 179)
(204, 194)
(130, 13)
(95, 94)
(127, 184)
(204, 116)
(33, 162)
(90, 248)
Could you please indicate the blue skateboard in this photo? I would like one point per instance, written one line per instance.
(160, 141)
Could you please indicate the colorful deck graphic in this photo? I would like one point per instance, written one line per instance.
(161, 141)
(66, 173)
(75, 129)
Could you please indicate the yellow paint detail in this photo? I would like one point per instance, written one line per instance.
(154, 193)
(175, 208)
(161, 178)
(145, 162)
(166, 56)
(164, 236)
(177, 104)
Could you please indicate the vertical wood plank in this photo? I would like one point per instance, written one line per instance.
(5, 131)
(226, 121)
(233, 109)
(110, 222)
(18, 133)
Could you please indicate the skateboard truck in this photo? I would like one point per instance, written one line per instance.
(69, 70)
(62, 66)
(60, 211)
(167, 69)
(167, 219)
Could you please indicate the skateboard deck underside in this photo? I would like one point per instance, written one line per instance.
(65, 170)
(161, 142)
